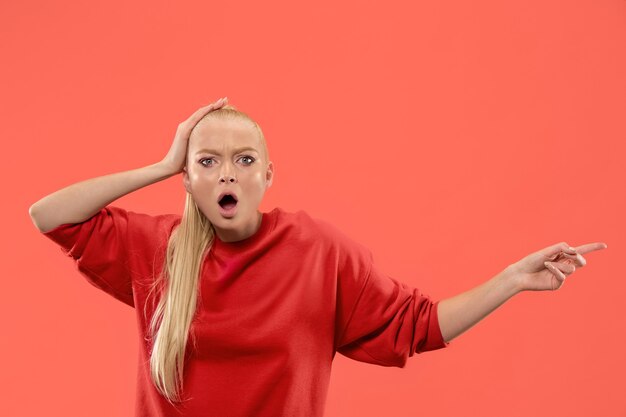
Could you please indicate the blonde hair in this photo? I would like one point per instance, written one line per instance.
(187, 248)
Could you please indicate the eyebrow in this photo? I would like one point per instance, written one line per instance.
(246, 148)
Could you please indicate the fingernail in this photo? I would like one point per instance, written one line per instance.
(572, 249)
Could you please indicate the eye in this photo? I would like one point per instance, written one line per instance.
(205, 159)
(248, 157)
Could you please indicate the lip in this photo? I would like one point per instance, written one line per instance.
(223, 193)
(228, 213)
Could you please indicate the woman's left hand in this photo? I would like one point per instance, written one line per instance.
(548, 268)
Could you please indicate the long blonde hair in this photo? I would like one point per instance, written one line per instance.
(187, 248)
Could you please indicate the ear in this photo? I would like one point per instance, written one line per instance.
(269, 175)
(186, 181)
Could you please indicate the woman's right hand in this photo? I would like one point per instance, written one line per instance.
(177, 155)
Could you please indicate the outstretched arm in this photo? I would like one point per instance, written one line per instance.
(542, 270)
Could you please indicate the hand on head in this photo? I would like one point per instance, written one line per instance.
(177, 155)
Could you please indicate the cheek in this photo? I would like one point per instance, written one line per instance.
(199, 181)
(258, 181)
(198, 175)
(253, 185)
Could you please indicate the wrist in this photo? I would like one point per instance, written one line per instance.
(512, 274)
(166, 169)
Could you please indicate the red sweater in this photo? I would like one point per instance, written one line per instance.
(274, 309)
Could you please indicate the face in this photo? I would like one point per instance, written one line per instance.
(226, 156)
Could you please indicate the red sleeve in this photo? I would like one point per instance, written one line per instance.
(99, 247)
(381, 320)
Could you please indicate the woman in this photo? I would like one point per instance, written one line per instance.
(267, 299)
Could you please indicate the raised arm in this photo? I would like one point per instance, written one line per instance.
(78, 202)
(539, 271)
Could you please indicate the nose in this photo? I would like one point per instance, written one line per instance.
(226, 175)
(228, 178)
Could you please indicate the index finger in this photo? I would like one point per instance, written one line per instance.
(590, 247)
(198, 114)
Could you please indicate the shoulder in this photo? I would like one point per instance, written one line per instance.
(136, 224)
(149, 222)
(302, 223)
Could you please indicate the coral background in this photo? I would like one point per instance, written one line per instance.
(451, 138)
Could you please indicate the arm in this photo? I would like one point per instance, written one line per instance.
(540, 271)
(80, 201)
(459, 313)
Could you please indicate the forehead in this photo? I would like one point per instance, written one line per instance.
(223, 134)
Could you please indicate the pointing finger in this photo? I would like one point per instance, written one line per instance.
(590, 247)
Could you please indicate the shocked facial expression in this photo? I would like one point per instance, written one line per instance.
(227, 173)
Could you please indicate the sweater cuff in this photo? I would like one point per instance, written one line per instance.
(70, 239)
(435, 339)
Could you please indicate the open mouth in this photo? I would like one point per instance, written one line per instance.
(228, 201)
